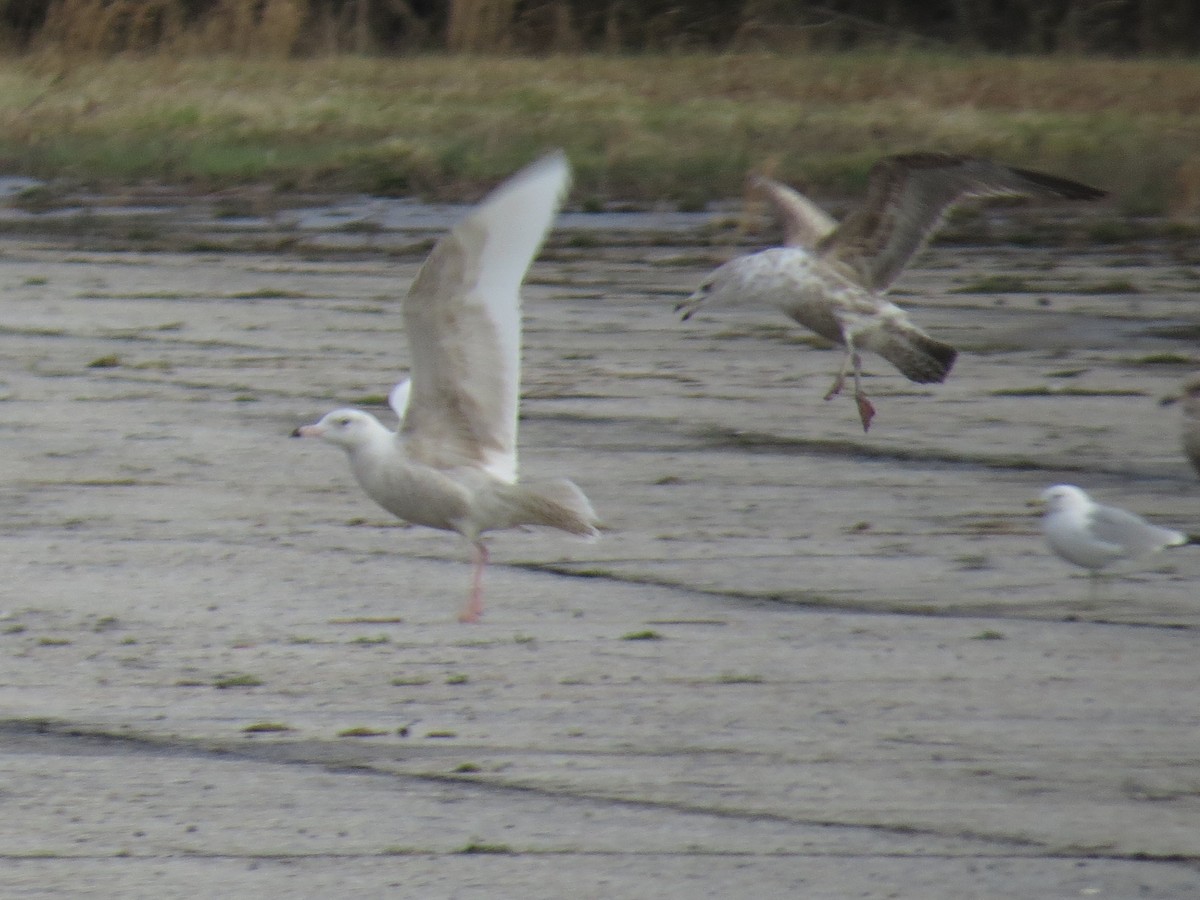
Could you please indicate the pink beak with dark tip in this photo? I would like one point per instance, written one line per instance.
(308, 431)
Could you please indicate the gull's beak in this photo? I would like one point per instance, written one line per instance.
(308, 431)
(1035, 506)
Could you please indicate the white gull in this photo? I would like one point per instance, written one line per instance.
(452, 463)
(1093, 536)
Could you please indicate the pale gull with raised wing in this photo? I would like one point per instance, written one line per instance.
(452, 464)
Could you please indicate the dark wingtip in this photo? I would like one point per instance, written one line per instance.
(1064, 187)
(1085, 192)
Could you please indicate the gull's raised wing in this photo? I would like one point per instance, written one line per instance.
(804, 223)
(463, 320)
(907, 196)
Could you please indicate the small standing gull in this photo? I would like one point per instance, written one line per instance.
(831, 278)
(1088, 534)
(452, 463)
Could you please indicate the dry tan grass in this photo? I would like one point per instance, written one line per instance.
(104, 27)
(307, 26)
(476, 25)
(684, 128)
(272, 28)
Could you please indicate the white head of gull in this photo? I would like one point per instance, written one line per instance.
(452, 463)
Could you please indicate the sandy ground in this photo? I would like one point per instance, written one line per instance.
(224, 673)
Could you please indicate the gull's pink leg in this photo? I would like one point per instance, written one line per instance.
(474, 608)
(841, 376)
(866, 409)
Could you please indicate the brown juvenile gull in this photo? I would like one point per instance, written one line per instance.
(831, 278)
(1088, 534)
(452, 464)
(1191, 421)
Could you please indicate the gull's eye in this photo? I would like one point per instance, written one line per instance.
(343, 422)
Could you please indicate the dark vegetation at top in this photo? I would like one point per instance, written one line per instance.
(303, 27)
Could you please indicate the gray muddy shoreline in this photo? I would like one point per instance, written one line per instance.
(802, 661)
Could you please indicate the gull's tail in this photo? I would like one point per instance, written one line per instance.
(553, 504)
(918, 356)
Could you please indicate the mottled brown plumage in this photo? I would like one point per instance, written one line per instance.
(831, 278)
(908, 195)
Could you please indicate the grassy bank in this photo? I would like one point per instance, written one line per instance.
(679, 129)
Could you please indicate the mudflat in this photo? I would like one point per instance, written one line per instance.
(802, 660)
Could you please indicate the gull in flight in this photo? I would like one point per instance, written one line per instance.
(1088, 534)
(831, 277)
(452, 463)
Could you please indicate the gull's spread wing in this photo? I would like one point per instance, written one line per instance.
(906, 198)
(463, 320)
